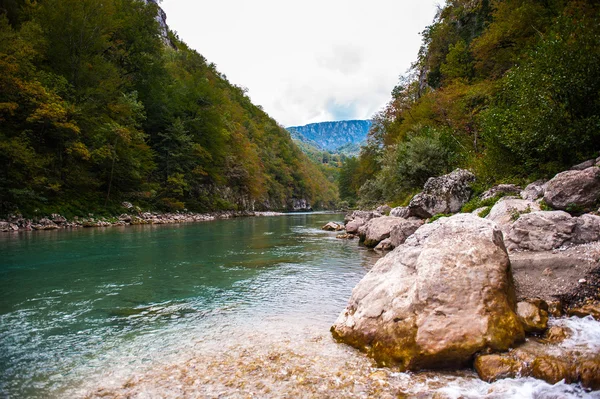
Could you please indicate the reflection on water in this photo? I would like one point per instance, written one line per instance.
(234, 308)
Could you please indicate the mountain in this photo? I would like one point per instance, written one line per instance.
(344, 137)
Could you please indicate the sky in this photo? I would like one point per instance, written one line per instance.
(311, 60)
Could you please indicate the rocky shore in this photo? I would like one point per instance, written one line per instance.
(481, 281)
(131, 216)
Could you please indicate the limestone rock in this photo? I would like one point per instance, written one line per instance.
(353, 225)
(574, 189)
(534, 190)
(501, 189)
(378, 229)
(508, 209)
(436, 300)
(444, 194)
(546, 230)
(533, 316)
(332, 226)
(403, 230)
(400, 212)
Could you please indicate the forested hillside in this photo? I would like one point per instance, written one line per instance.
(509, 89)
(96, 109)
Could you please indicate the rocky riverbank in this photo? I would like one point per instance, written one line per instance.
(473, 281)
(131, 216)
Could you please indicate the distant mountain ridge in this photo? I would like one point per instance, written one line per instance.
(339, 136)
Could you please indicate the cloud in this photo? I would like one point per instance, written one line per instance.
(346, 59)
(308, 61)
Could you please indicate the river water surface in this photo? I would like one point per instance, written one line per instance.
(230, 308)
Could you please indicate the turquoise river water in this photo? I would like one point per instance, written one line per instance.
(230, 308)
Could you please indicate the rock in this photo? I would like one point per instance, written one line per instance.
(127, 205)
(557, 334)
(4, 226)
(501, 190)
(385, 245)
(378, 229)
(346, 236)
(584, 165)
(508, 209)
(541, 231)
(400, 212)
(364, 215)
(534, 190)
(574, 189)
(14, 227)
(384, 209)
(545, 360)
(444, 194)
(58, 219)
(125, 218)
(357, 219)
(546, 230)
(587, 229)
(533, 316)
(332, 226)
(353, 225)
(299, 205)
(494, 367)
(598, 161)
(436, 300)
(403, 230)
(589, 309)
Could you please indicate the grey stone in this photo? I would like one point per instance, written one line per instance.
(534, 190)
(444, 194)
(574, 188)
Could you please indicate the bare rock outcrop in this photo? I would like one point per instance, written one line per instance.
(444, 194)
(437, 300)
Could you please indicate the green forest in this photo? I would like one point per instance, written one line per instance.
(509, 89)
(97, 107)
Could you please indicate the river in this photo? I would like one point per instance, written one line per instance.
(230, 308)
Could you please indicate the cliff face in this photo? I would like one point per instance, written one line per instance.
(161, 18)
(340, 136)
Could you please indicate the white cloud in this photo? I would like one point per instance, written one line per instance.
(307, 61)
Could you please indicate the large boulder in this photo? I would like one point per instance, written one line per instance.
(355, 220)
(547, 230)
(437, 300)
(378, 229)
(444, 194)
(501, 190)
(508, 209)
(574, 189)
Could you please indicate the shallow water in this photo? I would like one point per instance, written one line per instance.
(233, 308)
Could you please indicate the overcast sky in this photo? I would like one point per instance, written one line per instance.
(311, 60)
